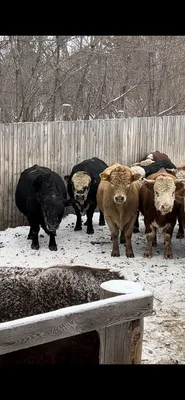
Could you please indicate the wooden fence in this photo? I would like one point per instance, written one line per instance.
(118, 318)
(60, 145)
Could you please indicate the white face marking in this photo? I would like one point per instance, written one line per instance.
(150, 156)
(81, 185)
(164, 194)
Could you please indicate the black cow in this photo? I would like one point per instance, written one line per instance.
(41, 196)
(149, 170)
(156, 166)
(82, 188)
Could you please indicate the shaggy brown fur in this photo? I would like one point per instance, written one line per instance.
(118, 199)
(29, 291)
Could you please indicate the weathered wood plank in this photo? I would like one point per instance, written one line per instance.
(60, 145)
(121, 343)
(70, 321)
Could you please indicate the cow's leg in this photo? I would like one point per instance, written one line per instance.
(34, 229)
(114, 235)
(52, 242)
(29, 234)
(128, 230)
(136, 225)
(180, 233)
(150, 237)
(101, 219)
(78, 226)
(168, 242)
(122, 237)
(90, 213)
(154, 243)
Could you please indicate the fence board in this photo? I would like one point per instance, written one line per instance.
(60, 145)
(70, 321)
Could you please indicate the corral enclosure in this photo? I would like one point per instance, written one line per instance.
(60, 145)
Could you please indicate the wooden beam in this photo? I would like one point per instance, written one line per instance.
(43, 328)
(121, 343)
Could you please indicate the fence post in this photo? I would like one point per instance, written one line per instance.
(121, 344)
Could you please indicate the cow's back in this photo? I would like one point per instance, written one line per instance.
(93, 166)
(155, 167)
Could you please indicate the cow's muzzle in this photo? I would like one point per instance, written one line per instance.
(165, 209)
(119, 199)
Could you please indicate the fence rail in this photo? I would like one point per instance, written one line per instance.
(114, 318)
(60, 145)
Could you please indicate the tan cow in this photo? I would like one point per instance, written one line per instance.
(157, 204)
(118, 199)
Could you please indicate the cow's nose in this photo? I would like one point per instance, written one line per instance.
(120, 198)
(80, 196)
(166, 207)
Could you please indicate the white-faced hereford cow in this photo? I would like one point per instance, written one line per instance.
(146, 170)
(82, 188)
(179, 173)
(157, 204)
(118, 199)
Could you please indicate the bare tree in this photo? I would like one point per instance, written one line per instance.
(99, 76)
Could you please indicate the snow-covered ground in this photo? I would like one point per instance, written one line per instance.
(164, 333)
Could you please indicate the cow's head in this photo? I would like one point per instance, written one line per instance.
(179, 173)
(52, 207)
(120, 178)
(80, 184)
(165, 189)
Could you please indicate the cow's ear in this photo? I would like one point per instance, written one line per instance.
(136, 176)
(104, 176)
(67, 178)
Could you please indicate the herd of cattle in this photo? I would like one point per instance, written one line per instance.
(153, 187)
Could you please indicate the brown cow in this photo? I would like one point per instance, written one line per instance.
(155, 156)
(118, 199)
(179, 173)
(157, 204)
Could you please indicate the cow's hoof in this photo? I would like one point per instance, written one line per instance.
(136, 230)
(115, 254)
(168, 255)
(90, 231)
(130, 254)
(53, 248)
(147, 254)
(180, 235)
(78, 228)
(101, 223)
(35, 246)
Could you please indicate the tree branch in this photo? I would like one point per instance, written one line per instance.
(114, 100)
